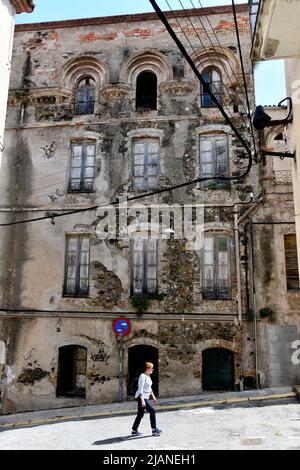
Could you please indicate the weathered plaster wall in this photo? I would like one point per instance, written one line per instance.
(41, 127)
(30, 380)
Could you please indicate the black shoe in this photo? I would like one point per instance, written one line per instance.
(156, 432)
(136, 433)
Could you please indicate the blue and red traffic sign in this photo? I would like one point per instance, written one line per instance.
(121, 326)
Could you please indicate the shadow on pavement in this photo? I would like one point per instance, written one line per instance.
(115, 440)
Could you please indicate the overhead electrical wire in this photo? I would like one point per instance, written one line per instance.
(206, 87)
(243, 71)
(207, 90)
(202, 44)
(217, 39)
(245, 93)
(113, 203)
(208, 53)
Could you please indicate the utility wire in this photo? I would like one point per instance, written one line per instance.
(208, 52)
(113, 203)
(217, 39)
(205, 85)
(242, 65)
(243, 71)
(214, 99)
(191, 45)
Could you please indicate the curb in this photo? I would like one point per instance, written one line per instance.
(296, 389)
(160, 408)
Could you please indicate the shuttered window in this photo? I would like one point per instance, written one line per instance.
(213, 157)
(144, 266)
(216, 268)
(291, 262)
(82, 172)
(77, 261)
(85, 97)
(146, 163)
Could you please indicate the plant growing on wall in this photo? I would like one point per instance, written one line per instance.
(250, 315)
(266, 312)
(140, 302)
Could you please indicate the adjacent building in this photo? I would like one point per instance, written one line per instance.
(8, 10)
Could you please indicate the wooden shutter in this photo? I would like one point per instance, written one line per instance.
(291, 262)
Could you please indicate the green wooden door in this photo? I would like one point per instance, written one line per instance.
(218, 369)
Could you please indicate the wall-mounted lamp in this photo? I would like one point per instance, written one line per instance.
(261, 120)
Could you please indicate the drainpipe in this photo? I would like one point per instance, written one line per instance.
(237, 222)
(237, 259)
(254, 302)
(121, 368)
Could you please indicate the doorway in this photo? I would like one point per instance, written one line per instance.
(71, 377)
(137, 356)
(218, 369)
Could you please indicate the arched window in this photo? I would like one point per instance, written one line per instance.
(146, 91)
(213, 78)
(85, 96)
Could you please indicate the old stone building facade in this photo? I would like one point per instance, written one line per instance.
(105, 109)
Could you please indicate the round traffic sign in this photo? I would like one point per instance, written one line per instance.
(121, 326)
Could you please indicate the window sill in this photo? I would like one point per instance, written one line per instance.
(81, 192)
(75, 296)
(210, 299)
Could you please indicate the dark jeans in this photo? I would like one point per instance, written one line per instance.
(141, 411)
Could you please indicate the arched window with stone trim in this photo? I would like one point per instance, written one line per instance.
(212, 76)
(85, 96)
(83, 77)
(145, 72)
(146, 91)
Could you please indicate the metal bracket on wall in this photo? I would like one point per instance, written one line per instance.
(279, 154)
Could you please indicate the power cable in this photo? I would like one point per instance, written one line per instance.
(217, 39)
(113, 203)
(205, 85)
(191, 45)
(215, 100)
(207, 51)
(243, 71)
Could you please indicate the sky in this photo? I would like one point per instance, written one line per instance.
(269, 76)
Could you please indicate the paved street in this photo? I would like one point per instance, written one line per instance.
(262, 425)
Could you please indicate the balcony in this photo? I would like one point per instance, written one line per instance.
(275, 29)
